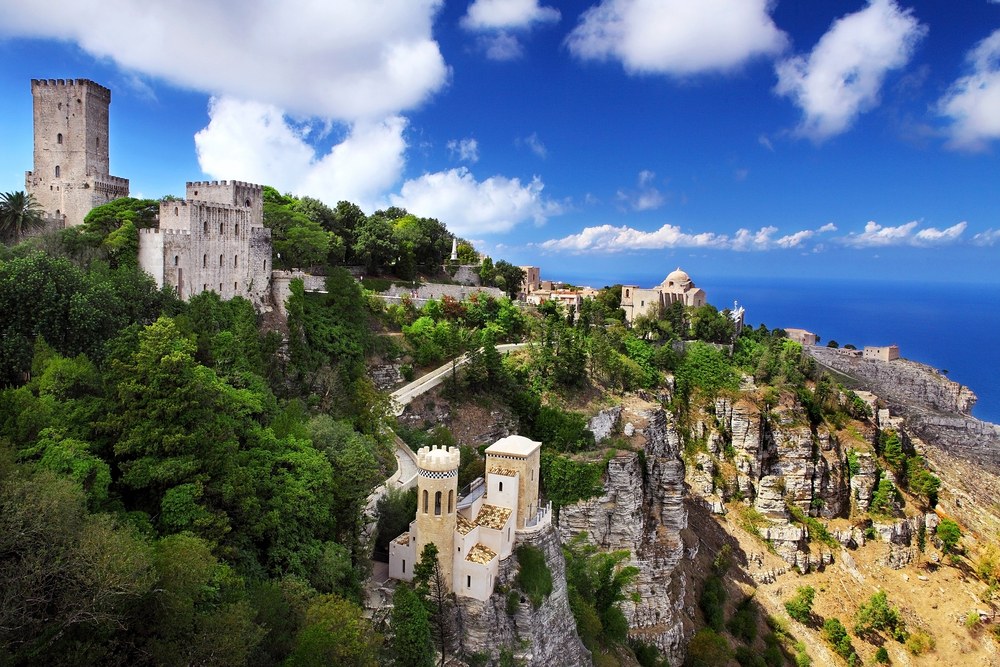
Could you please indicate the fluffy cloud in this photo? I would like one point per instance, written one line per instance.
(256, 142)
(535, 145)
(876, 236)
(500, 19)
(347, 60)
(470, 207)
(677, 37)
(973, 101)
(989, 237)
(464, 150)
(507, 15)
(842, 76)
(646, 198)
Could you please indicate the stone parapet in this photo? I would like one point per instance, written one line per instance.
(438, 459)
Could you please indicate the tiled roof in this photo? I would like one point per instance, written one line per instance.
(492, 516)
(464, 525)
(481, 554)
(403, 539)
(506, 472)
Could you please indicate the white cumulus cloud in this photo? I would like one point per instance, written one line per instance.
(470, 207)
(507, 15)
(256, 142)
(877, 236)
(676, 37)
(842, 76)
(646, 197)
(973, 101)
(987, 238)
(346, 60)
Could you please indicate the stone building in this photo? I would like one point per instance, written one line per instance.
(677, 287)
(801, 336)
(71, 164)
(474, 532)
(532, 281)
(213, 240)
(881, 353)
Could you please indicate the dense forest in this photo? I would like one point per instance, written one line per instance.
(181, 483)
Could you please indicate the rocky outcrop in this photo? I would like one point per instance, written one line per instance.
(385, 376)
(604, 423)
(642, 510)
(540, 637)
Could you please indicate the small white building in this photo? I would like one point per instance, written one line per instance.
(801, 336)
(479, 530)
(883, 353)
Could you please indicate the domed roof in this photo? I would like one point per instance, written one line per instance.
(678, 277)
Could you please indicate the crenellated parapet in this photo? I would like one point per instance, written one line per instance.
(92, 87)
(438, 459)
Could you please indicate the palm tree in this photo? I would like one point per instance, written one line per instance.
(19, 213)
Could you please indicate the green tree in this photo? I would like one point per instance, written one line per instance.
(19, 214)
(375, 246)
(429, 579)
(509, 278)
(949, 533)
(877, 615)
(411, 631)
(799, 606)
(335, 633)
(707, 648)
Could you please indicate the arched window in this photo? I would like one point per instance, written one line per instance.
(626, 293)
(425, 501)
(236, 287)
(236, 229)
(57, 171)
(248, 202)
(175, 211)
(221, 228)
(451, 501)
(204, 261)
(236, 261)
(205, 230)
(176, 259)
(220, 261)
(437, 503)
(59, 138)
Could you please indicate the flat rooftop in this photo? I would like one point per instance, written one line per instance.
(515, 445)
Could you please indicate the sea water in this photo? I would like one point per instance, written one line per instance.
(954, 327)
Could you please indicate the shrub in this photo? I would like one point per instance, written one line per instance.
(919, 642)
(949, 534)
(972, 620)
(513, 602)
(802, 658)
(743, 624)
(748, 657)
(799, 606)
(707, 649)
(878, 615)
(533, 577)
(882, 656)
(884, 499)
(713, 598)
(835, 633)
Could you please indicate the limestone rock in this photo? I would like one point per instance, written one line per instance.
(603, 424)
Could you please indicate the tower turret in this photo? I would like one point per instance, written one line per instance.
(437, 498)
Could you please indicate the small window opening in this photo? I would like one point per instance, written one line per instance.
(204, 261)
(468, 581)
(236, 261)
(220, 260)
(176, 259)
(265, 265)
(248, 202)
(404, 566)
(425, 501)
(59, 138)
(236, 229)
(57, 171)
(437, 503)
(176, 212)
(451, 500)
(501, 486)
(235, 287)
(220, 228)
(220, 288)
(97, 142)
(205, 227)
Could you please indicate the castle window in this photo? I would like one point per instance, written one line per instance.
(220, 228)
(204, 287)
(437, 503)
(57, 171)
(508, 533)
(59, 138)
(501, 487)
(59, 106)
(236, 261)
(176, 258)
(236, 229)
(468, 581)
(425, 501)
(404, 566)
(235, 287)
(220, 260)
(451, 500)
(97, 142)
(204, 261)
(205, 229)
(220, 288)
(265, 265)
(642, 303)
(195, 193)
(248, 202)
(626, 293)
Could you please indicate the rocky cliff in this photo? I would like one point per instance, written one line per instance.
(541, 637)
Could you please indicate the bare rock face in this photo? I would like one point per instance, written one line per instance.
(603, 424)
(540, 637)
(385, 376)
(642, 510)
(864, 482)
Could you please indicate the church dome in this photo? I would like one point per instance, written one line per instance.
(678, 277)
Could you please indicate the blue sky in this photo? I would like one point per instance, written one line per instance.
(607, 139)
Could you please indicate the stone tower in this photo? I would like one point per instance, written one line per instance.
(70, 175)
(437, 498)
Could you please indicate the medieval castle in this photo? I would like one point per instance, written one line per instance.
(213, 240)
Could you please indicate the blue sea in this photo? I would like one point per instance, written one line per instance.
(954, 327)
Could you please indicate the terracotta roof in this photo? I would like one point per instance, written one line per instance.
(481, 554)
(493, 516)
(506, 472)
(403, 539)
(464, 525)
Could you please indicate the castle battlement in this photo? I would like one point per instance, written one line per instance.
(154, 230)
(224, 184)
(91, 86)
(111, 181)
(438, 459)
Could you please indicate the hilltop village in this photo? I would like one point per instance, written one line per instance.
(245, 428)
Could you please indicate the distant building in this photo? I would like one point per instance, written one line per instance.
(213, 240)
(801, 336)
(532, 281)
(884, 353)
(475, 532)
(676, 288)
(70, 175)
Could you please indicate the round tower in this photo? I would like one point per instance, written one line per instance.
(437, 500)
